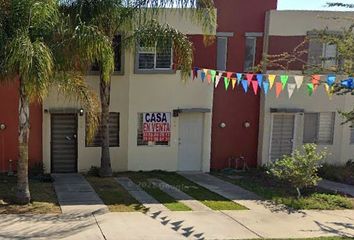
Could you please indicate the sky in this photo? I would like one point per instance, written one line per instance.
(311, 5)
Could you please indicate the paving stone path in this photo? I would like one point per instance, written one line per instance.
(337, 187)
(141, 196)
(179, 195)
(76, 196)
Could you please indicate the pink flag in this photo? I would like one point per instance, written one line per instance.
(249, 78)
(255, 87)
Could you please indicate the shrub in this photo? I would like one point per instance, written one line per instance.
(299, 169)
(94, 171)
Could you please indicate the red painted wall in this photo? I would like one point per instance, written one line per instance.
(281, 44)
(9, 136)
(234, 107)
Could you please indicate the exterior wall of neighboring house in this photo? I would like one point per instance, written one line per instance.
(302, 117)
(9, 135)
(139, 92)
(238, 22)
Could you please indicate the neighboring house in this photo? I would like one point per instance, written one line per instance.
(239, 48)
(287, 124)
(144, 86)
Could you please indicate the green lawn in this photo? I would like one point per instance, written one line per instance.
(113, 195)
(44, 199)
(208, 198)
(141, 179)
(259, 182)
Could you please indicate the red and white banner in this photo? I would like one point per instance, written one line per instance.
(157, 127)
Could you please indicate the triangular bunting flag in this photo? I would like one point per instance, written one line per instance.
(195, 72)
(245, 85)
(209, 78)
(233, 82)
(329, 90)
(310, 88)
(316, 81)
(249, 78)
(239, 77)
(213, 74)
(278, 88)
(348, 83)
(228, 75)
(202, 75)
(271, 79)
(255, 87)
(260, 79)
(226, 82)
(291, 88)
(284, 79)
(299, 80)
(217, 79)
(265, 87)
(331, 79)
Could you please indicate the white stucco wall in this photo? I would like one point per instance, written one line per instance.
(339, 152)
(298, 23)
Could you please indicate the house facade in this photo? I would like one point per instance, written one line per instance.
(286, 123)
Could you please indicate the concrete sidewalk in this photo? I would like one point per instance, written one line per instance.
(337, 187)
(216, 225)
(76, 196)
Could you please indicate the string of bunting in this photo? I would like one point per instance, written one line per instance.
(266, 82)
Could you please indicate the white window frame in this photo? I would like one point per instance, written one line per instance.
(254, 38)
(155, 59)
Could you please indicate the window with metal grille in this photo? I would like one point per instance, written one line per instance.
(118, 56)
(352, 133)
(319, 128)
(322, 54)
(157, 57)
(221, 61)
(250, 54)
(140, 139)
(113, 132)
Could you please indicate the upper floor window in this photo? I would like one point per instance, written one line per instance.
(250, 54)
(118, 55)
(319, 127)
(322, 54)
(157, 57)
(221, 53)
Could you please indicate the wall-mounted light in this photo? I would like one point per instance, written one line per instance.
(222, 125)
(46, 111)
(247, 124)
(81, 112)
(2, 126)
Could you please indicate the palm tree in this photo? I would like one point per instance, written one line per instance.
(135, 20)
(40, 48)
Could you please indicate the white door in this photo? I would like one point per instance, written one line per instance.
(282, 139)
(190, 142)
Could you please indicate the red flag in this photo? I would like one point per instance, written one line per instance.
(228, 75)
(316, 81)
(278, 88)
(255, 87)
(249, 78)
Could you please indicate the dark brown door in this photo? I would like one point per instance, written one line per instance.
(63, 143)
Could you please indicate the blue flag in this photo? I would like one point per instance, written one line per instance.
(331, 79)
(260, 80)
(265, 87)
(349, 83)
(245, 85)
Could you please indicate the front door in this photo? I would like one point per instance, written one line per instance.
(63, 143)
(190, 141)
(282, 139)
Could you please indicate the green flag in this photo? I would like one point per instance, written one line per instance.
(310, 88)
(284, 79)
(227, 82)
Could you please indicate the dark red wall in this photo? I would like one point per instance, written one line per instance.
(9, 136)
(280, 44)
(234, 107)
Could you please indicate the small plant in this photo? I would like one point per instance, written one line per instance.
(94, 171)
(36, 169)
(299, 169)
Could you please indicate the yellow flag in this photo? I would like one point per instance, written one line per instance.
(271, 79)
(233, 81)
(329, 90)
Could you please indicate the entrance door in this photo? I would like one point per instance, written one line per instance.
(282, 139)
(63, 143)
(190, 141)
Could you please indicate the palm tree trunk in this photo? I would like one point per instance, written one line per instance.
(105, 91)
(23, 193)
